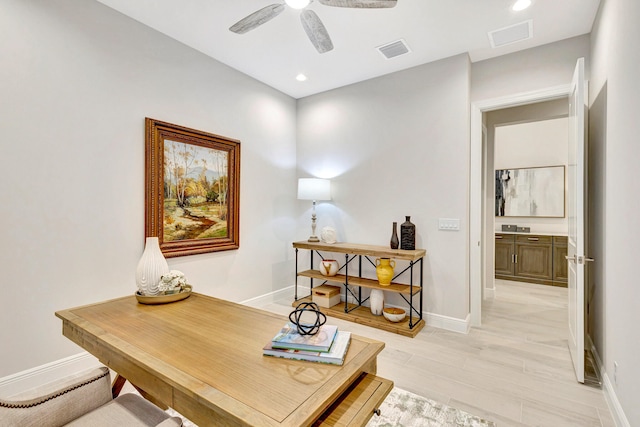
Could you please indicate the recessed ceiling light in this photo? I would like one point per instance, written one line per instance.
(521, 5)
(298, 4)
(301, 77)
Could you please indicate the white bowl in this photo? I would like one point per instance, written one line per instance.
(394, 314)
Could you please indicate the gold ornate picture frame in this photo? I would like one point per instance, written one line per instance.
(192, 189)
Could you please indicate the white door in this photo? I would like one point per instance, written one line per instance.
(576, 176)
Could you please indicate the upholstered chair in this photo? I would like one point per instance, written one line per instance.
(82, 400)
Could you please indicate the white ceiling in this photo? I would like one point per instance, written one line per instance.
(277, 51)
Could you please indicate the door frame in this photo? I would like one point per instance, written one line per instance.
(477, 233)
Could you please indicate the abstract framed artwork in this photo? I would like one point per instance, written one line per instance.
(531, 192)
(192, 189)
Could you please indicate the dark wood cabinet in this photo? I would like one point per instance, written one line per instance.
(534, 257)
(531, 258)
(560, 272)
(505, 254)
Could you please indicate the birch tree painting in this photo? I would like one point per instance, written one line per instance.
(195, 192)
(192, 189)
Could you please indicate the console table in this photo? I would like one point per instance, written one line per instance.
(353, 281)
(203, 357)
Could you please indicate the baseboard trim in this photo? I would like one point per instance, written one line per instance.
(49, 372)
(619, 417)
(270, 297)
(489, 293)
(448, 323)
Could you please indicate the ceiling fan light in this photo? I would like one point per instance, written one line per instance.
(298, 4)
(521, 5)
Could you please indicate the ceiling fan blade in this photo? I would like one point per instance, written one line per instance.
(257, 18)
(316, 31)
(362, 4)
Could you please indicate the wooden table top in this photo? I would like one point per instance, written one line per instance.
(203, 357)
(362, 249)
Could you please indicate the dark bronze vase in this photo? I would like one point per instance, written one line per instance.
(394, 237)
(407, 235)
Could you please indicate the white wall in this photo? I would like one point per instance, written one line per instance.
(528, 70)
(533, 144)
(394, 146)
(77, 80)
(614, 98)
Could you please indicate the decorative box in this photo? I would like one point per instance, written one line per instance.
(326, 296)
(509, 227)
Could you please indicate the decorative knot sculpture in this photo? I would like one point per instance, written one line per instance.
(309, 310)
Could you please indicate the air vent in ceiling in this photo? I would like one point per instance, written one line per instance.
(511, 34)
(393, 49)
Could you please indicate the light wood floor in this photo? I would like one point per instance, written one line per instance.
(515, 370)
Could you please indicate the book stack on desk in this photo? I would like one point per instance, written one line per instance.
(327, 346)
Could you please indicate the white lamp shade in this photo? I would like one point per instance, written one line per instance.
(314, 189)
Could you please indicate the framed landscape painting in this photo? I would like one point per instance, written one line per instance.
(192, 189)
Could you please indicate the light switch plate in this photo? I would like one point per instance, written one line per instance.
(449, 224)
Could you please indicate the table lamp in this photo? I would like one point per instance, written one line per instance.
(314, 189)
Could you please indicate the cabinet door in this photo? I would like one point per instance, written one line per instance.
(560, 272)
(504, 256)
(534, 261)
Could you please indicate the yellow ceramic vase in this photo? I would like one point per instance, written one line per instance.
(384, 270)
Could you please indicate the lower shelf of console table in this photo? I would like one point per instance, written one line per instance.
(362, 315)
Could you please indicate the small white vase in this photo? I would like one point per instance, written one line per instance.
(151, 267)
(376, 302)
(328, 235)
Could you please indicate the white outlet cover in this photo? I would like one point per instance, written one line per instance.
(449, 224)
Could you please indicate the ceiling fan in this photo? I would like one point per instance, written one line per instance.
(311, 23)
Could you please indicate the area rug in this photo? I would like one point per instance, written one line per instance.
(402, 408)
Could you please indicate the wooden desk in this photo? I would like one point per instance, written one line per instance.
(203, 357)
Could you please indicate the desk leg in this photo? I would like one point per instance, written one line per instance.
(371, 367)
(118, 383)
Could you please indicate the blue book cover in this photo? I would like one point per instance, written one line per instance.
(289, 338)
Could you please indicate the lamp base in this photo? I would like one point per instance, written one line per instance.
(313, 239)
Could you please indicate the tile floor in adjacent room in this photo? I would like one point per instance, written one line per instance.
(515, 370)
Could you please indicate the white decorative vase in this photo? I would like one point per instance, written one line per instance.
(328, 267)
(376, 302)
(151, 267)
(328, 235)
